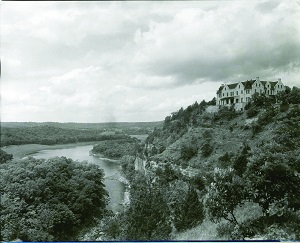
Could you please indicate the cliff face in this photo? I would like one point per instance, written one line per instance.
(139, 164)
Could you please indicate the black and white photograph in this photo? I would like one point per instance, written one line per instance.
(150, 121)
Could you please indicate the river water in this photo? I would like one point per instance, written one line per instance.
(115, 188)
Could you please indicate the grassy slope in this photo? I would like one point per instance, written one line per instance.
(223, 140)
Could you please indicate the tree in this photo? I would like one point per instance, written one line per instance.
(225, 193)
(5, 157)
(241, 160)
(294, 96)
(147, 217)
(273, 178)
(190, 212)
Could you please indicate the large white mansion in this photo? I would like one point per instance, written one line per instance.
(241, 93)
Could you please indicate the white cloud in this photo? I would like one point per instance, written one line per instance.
(122, 61)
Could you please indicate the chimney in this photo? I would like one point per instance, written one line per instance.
(279, 79)
(257, 78)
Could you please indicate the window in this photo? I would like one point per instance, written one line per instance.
(241, 91)
(223, 94)
(227, 94)
(239, 86)
(259, 85)
(237, 101)
(237, 92)
(241, 99)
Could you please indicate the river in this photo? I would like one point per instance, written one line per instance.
(115, 188)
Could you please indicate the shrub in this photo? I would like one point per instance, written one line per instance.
(207, 134)
(225, 160)
(188, 152)
(207, 149)
(225, 113)
(284, 107)
(5, 157)
(251, 112)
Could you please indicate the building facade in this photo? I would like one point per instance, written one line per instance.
(241, 93)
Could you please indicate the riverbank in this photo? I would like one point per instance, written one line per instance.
(100, 156)
(20, 151)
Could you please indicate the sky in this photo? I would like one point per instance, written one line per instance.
(138, 61)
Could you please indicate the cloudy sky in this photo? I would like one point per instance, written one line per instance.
(138, 61)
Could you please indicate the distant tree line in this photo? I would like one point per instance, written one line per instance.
(51, 135)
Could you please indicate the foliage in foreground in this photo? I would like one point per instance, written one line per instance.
(49, 200)
(4, 157)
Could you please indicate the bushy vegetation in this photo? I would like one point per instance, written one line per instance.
(159, 201)
(263, 171)
(4, 157)
(267, 177)
(49, 200)
(47, 135)
(61, 133)
(117, 148)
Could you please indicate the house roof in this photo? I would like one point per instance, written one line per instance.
(272, 83)
(248, 83)
(232, 86)
(220, 89)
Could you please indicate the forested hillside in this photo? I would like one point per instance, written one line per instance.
(115, 147)
(236, 173)
(14, 133)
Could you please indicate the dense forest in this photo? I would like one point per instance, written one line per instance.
(117, 147)
(49, 200)
(61, 133)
